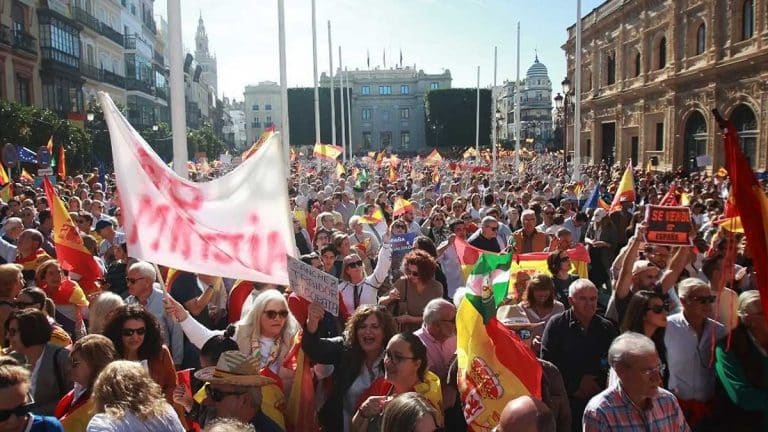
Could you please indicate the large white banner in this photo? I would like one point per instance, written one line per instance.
(236, 226)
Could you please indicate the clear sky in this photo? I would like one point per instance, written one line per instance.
(433, 34)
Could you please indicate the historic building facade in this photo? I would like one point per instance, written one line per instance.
(535, 101)
(653, 70)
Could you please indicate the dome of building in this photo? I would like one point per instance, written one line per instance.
(537, 69)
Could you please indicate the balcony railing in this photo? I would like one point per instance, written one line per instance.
(52, 55)
(102, 75)
(111, 34)
(138, 85)
(24, 41)
(90, 71)
(159, 59)
(130, 42)
(82, 16)
(5, 34)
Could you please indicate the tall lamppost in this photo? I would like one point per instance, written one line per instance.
(562, 104)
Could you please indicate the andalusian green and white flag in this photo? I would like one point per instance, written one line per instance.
(491, 274)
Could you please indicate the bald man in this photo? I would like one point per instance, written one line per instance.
(526, 414)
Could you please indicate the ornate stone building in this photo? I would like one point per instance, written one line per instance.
(652, 71)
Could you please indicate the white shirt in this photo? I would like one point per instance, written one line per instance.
(366, 292)
(452, 269)
(690, 358)
(33, 376)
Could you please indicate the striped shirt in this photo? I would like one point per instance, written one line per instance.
(612, 410)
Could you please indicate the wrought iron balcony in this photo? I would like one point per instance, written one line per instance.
(82, 16)
(138, 85)
(90, 71)
(24, 41)
(162, 93)
(130, 42)
(111, 34)
(112, 78)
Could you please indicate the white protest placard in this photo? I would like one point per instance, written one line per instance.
(314, 285)
(703, 160)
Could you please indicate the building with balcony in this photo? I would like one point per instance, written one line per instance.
(102, 63)
(535, 102)
(262, 108)
(19, 53)
(653, 70)
(388, 106)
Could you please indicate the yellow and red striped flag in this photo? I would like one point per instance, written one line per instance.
(327, 152)
(340, 171)
(50, 145)
(434, 158)
(626, 190)
(373, 219)
(26, 176)
(392, 173)
(62, 163)
(401, 206)
(6, 192)
(4, 179)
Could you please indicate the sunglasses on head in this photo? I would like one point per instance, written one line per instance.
(355, 264)
(658, 308)
(272, 314)
(130, 332)
(703, 299)
(219, 395)
(19, 411)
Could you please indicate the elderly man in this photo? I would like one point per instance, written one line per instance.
(12, 229)
(30, 253)
(529, 239)
(636, 402)
(577, 341)
(487, 237)
(140, 278)
(526, 414)
(689, 338)
(438, 332)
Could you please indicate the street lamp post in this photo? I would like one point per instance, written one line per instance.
(562, 103)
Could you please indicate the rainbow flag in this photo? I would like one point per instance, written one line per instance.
(434, 158)
(751, 201)
(327, 152)
(494, 365)
(70, 250)
(626, 189)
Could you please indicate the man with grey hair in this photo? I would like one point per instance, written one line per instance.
(577, 341)
(487, 237)
(529, 239)
(636, 402)
(690, 341)
(143, 290)
(438, 333)
(12, 229)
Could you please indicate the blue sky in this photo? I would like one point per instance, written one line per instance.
(434, 34)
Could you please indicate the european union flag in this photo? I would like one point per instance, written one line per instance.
(27, 156)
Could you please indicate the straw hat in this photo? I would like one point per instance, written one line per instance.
(235, 368)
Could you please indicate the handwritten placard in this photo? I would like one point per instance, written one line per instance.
(668, 225)
(314, 285)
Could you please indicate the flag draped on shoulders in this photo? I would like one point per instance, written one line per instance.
(494, 365)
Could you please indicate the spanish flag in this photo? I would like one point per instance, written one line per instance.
(70, 250)
(375, 218)
(62, 163)
(626, 189)
(26, 176)
(392, 174)
(379, 159)
(6, 192)
(255, 147)
(327, 152)
(4, 179)
(670, 198)
(751, 201)
(50, 145)
(340, 171)
(434, 158)
(300, 412)
(722, 172)
(730, 219)
(401, 206)
(494, 365)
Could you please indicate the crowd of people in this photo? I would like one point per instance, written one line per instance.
(655, 338)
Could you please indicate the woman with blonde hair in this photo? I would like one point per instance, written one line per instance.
(127, 400)
(267, 330)
(101, 309)
(69, 298)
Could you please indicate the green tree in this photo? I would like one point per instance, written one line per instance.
(204, 140)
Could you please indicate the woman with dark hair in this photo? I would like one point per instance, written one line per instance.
(647, 314)
(69, 298)
(35, 298)
(29, 334)
(559, 264)
(427, 245)
(413, 290)
(475, 202)
(405, 370)
(356, 357)
(116, 271)
(136, 336)
(435, 227)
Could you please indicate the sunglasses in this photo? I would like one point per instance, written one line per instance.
(19, 411)
(130, 332)
(658, 308)
(412, 273)
(703, 300)
(355, 264)
(493, 228)
(132, 281)
(272, 314)
(219, 395)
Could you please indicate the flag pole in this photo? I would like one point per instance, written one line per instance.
(349, 112)
(285, 136)
(517, 101)
(477, 117)
(317, 91)
(342, 91)
(176, 78)
(577, 99)
(333, 107)
(493, 112)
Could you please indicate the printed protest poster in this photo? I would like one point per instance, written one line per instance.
(402, 242)
(314, 285)
(668, 225)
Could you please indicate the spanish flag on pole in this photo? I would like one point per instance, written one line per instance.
(434, 158)
(62, 163)
(494, 365)
(401, 206)
(626, 190)
(70, 250)
(4, 179)
(392, 174)
(26, 176)
(751, 201)
(327, 152)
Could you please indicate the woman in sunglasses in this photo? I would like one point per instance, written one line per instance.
(356, 357)
(137, 337)
(405, 370)
(16, 404)
(559, 264)
(70, 300)
(267, 331)
(647, 314)
(35, 298)
(413, 290)
(358, 288)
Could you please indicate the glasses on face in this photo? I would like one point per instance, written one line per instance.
(219, 395)
(127, 332)
(131, 281)
(657, 309)
(523, 334)
(493, 228)
(395, 357)
(355, 264)
(272, 314)
(412, 273)
(654, 371)
(19, 411)
(466, 218)
(703, 300)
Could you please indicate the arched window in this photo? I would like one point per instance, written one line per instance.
(662, 53)
(637, 65)
(701, 42)
(747, 20)
(744, 120)
(695, 143)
